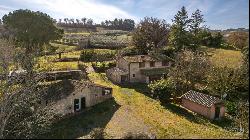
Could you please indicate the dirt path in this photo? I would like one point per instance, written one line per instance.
(124, 122)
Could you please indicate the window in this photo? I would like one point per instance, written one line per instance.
(141, 64)
(133, 75)
(165, 63)
(76, 104)
(152, 64)
(105, 92)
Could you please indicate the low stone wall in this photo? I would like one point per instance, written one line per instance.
(49, 76)
(61, 75)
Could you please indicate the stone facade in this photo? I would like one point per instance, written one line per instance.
(132, 67)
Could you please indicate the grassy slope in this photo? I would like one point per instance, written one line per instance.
(221, 57)
(165, 123)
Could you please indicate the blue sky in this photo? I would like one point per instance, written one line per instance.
(218, 14)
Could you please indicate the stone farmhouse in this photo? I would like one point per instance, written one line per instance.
(203, 104)
(138, 68)
(71, 96)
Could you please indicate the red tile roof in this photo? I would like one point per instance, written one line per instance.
(200, 98)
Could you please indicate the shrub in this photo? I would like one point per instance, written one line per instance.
(89, 55)
(130, 51)
(162, 89)
(102, 66)
(231, 107)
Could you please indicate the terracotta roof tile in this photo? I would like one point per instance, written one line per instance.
(200, 98)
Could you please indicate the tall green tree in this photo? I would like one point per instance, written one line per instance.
(150, 33)
(31, 29)
(195, 28)
(179, 35)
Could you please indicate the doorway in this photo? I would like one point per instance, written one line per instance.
(83, 103)
(217, 112)
(123, 78)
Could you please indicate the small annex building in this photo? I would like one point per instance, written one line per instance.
(72, 96)
(203, 104)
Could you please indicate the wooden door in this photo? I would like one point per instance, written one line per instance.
(83, 103)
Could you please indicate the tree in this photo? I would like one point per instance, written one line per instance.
(238, 39)
(196, 21)
(20, 115)
(84, 20)
(179, 35)
(90, 22)
(190, 69)
(150, 33)
(195, 28)
(32, 33)
(66, 20)
(205, 37)
(224, 80)
(162, 89)
(77, 21)
(217, 40)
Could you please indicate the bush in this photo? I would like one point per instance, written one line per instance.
(130, 51)
(89, 55)
(162, 89)
(231, 107)
(102, 66)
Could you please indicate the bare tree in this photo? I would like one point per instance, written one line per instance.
(21, 116)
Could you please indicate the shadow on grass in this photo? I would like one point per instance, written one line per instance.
(139, 87)
(180, 111)
(79, 125)
(224, 122)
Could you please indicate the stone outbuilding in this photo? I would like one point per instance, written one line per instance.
(71, 96)
(203, 104)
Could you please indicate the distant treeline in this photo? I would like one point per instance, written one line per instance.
(116, 24)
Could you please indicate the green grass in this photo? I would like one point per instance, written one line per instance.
(64, 48)
(222, 57)
(163, 120)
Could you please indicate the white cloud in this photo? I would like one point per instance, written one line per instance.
(5, 9)
(77, 9)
